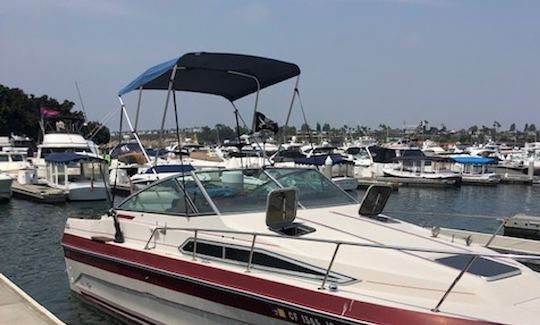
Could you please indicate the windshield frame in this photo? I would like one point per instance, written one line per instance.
(195, 175)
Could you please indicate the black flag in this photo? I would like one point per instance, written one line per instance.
(264, 123)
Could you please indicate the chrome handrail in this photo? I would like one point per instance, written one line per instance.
(338, 243)
(329, 241)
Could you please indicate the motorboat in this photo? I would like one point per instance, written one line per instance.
(476, 169)
(196, 248)
(5, 186)
(431, 148)
(82, 177)
(127, 159)
(414, 164)
(11, 162)
(154, 173)
(277, 245)
(61, 143)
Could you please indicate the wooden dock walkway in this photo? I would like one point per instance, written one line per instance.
(40, 193)
(17, 307)
(367, 182)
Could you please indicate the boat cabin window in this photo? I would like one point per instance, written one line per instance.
(4, 158)
(262, 259)
(168, 197)
(47, 151)
(17, 157)
(483, 267)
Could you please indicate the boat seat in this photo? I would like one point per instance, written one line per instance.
(178, 205)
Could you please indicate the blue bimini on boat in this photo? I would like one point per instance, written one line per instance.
(81, 176)
(476, 170)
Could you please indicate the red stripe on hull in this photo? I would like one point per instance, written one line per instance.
(339, 307)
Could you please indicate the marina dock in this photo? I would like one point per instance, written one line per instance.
(367, 182)
(39, 193)
(17, 307)
(402, 181)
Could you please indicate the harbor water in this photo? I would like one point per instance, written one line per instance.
(30, 233)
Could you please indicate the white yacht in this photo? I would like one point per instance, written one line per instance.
(61, 143)
(279, 245)
(11, 162)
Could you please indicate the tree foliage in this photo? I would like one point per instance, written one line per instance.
(96, 132)
(20, 112)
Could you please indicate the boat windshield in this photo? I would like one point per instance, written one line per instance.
(234, 191)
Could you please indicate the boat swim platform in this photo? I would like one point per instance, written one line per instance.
(507, 244)
(17, 307)
(39, 193)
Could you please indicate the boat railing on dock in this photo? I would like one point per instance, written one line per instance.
(338, 243)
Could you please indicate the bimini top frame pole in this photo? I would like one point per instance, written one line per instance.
(133, 132)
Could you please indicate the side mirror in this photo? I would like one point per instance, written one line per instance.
(374, 200)
(281, 208)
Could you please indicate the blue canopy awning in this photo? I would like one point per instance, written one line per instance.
(320, 160)
(474, 160)
(223, 74)
(69, 157)
(176, 168)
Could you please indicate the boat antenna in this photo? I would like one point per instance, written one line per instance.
(304, 115)
(291, 105)
(81, 100)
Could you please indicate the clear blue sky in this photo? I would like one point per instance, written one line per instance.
(363, 62)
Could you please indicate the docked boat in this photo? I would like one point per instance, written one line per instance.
(12, 162)
(5, 186)
(277, 245)
(476, 170)
(61, 143)
(421, 167)
(82, 177)
(152, 174)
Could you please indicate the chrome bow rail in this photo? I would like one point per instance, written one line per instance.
(339, 243)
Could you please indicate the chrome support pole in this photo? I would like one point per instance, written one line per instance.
(503, 223)
(251, 253)
(195, 245)
(164, 117)
(290, 111)
(138, 108)
(254, 121)
(329, 267)
(456, 280)
(133, 132)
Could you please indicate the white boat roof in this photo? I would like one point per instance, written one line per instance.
(64, 140)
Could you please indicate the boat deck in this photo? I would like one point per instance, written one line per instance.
(16, 307)
(508, 244)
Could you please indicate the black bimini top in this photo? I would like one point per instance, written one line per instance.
(229, 75)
